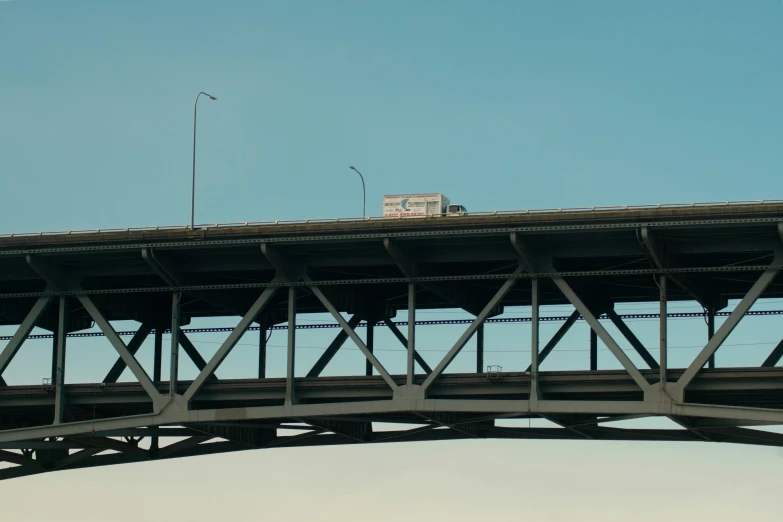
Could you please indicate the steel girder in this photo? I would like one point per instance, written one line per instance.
(533, 265)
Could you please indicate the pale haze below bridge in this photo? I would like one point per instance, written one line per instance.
(455, 481)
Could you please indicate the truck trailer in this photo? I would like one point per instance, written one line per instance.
(420, 205)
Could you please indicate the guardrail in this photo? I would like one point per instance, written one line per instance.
(382, 218)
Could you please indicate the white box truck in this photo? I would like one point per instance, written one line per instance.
(419, 205)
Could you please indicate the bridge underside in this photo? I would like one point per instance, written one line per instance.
(366, 273)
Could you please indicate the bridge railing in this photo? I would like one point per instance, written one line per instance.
(553, 210)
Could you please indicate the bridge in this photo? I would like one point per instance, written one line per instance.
(363, 273)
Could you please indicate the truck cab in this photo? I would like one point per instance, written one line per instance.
(456, 210)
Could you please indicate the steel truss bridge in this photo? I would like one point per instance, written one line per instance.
(268, 275)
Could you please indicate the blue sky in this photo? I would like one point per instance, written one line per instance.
(509, 105)
(499, 105)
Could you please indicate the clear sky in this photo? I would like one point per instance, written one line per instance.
(499, 105)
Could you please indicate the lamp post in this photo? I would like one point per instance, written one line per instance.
(364, 191)
(193, 184)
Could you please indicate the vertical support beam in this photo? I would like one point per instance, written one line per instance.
(59, 377)
(535, 389)
(710, 333)
(290, 391)
(262, 352)
(158, 357)
(593, 350)
(370, 344)
(55, 342)
(175, 324)
(411, 330)
(664, 330)
(480, 349)
(157, 363)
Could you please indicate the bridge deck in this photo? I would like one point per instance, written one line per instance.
(569, 219)
(461, 261)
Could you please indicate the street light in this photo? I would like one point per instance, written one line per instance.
(364, 191)
(193, 184)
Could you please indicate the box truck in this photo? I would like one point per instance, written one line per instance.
(420, 205)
